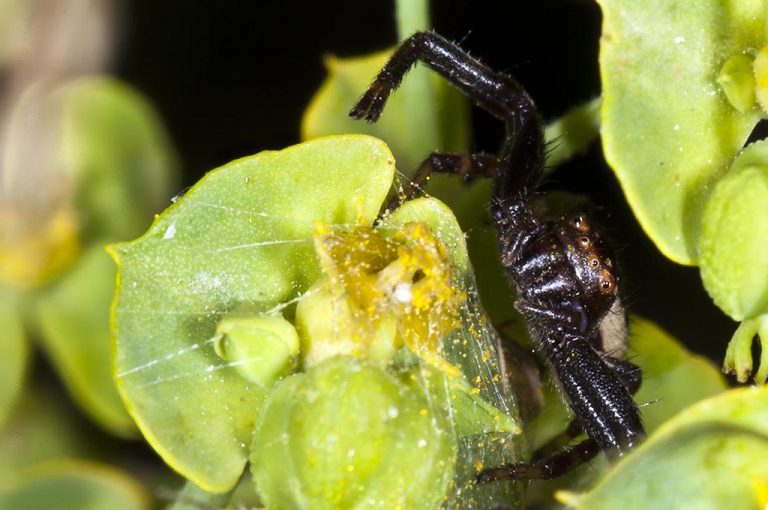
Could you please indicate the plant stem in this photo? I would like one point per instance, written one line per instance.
(411, 16)
(420, 96)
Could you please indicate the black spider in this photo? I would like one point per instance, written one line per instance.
(564, 271)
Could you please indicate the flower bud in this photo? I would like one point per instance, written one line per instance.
(346, 434)
(261, 349)
(734, 237)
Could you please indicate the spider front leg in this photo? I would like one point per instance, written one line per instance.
(581, 372)
(498, 94)
(632, 377)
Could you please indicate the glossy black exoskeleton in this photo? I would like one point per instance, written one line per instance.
(563, 272)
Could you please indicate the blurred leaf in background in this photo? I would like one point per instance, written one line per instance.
(84, 160)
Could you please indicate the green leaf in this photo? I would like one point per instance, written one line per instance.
(71, 485)
(13, 355)
(73, 317)
(472, 415)
(710, 456)
(426, 114)
(42, 427)
(669, 131)
(239, 242)
(348, 435)
(668, 369)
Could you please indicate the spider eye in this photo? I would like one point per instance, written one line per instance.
(580, 223)
(584, 241)
(607, 283)
(594, 263)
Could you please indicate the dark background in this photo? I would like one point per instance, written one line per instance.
(232, 78)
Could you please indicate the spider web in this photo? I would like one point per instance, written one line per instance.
(472, 346)
(475, 347)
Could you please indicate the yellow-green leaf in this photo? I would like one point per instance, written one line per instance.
(668, 369)
(238, 243)
(42, 427)
(424, 115)
(85, 161)
(712, 455)
(114, 147)
(668, 128)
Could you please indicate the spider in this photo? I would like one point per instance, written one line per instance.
(564, 272)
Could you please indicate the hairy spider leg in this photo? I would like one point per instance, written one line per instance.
(465, 166)
(498, 94)
(552, 467)
(631, 376)
(560, 327)
(548, 461)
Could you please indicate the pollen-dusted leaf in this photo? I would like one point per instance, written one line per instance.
(487, 409)
(13, 354)
(712, 455)
(440, 221)
(73, 316)
(72, 484)
(423, 115)
(238, 243)
(668, 128)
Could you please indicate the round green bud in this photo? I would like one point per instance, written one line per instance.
(734, 237)
(261, 349)
(738, 82)
(347, 434)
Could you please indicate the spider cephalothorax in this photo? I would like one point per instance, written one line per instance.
(563, 271)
